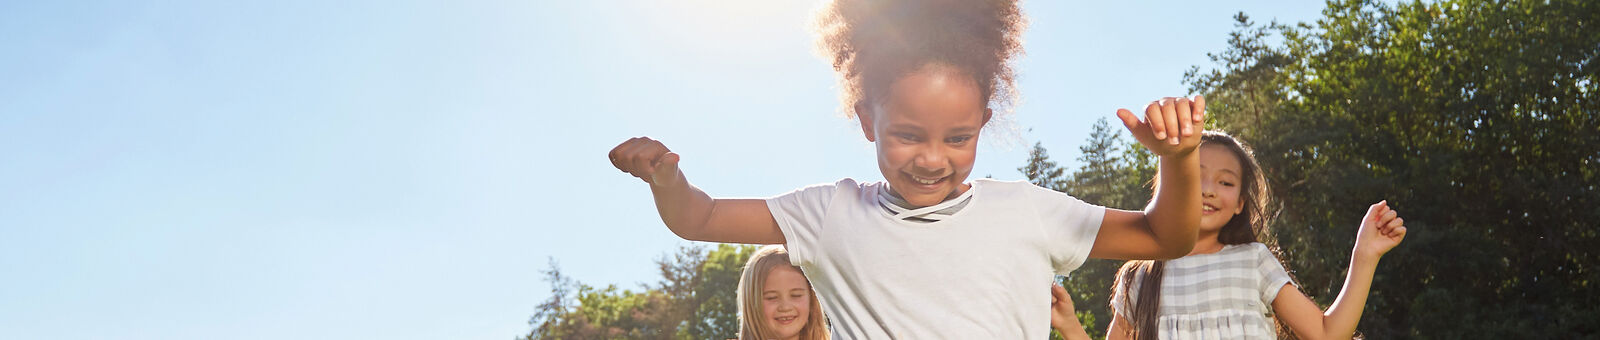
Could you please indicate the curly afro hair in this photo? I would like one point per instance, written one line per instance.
(872, 43)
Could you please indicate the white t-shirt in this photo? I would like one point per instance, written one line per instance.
(982, 273)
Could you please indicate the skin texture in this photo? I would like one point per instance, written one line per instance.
(786, 301)
(1219, 191)
(926, 134)
(1380, 230)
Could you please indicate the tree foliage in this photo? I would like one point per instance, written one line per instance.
(695, 299)
(1476, 119)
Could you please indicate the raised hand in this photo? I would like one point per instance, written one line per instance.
(1381, 230)
(1171, 126)
(647, 159)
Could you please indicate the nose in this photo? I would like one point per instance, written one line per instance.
(1208, 189)
(785, 305)
(931, 159)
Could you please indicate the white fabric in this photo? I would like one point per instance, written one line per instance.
(905, 211)
(1222, 295)
(982, 273)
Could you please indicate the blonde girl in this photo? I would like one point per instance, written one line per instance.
(776, 301)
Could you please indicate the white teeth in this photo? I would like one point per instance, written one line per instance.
(1209, 208)
(925, 180)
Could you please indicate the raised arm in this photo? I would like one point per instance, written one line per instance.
(688, 211)
(1381, 231)
(1170, 224)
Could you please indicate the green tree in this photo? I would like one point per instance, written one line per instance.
(716, 312)
(1476, 119)
(695, 299)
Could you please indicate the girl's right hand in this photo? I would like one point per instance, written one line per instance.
(647, 159)
(1381, 230)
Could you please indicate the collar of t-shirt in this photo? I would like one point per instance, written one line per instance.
(905, 211)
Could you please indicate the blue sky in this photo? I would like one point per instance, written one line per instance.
(405, 169)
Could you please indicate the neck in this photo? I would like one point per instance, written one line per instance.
(960, 189)
(1207, 244)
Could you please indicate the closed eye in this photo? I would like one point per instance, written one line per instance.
(958, 140)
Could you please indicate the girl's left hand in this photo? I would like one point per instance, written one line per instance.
(1381, 230)
(1172, 125)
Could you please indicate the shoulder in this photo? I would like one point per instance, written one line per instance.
(1254, 250)
(845, 184)
(1259, 249)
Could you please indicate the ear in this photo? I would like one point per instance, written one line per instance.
(864, 115)
(987, 113)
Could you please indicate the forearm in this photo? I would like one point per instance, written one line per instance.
(1072, 330)
(683, 207)
(1339, 322)
(1174, 214)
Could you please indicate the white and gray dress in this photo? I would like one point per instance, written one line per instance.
(1222, 295)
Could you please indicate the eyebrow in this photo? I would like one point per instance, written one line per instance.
(963, 129)
(905, 126)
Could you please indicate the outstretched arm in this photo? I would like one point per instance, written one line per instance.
(688, 211)
(1169, 226)
(1381, 231)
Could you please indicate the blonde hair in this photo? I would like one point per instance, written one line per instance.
(751, 283)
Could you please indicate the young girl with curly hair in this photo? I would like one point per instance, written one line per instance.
(925, 253)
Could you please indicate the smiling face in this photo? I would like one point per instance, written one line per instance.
(1220, 184)
(786, 301)
(926, 132)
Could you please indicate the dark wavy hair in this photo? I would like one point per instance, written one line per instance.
(872, 43)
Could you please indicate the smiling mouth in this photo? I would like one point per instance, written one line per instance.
(927, 181)
(784, 320)
(1207, 209)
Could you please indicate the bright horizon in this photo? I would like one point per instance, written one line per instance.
(405, 170)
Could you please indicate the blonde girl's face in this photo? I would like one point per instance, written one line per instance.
(926, 132)
(1220, 174)
(786, 301)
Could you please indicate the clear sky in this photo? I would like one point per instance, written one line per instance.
(295, 169)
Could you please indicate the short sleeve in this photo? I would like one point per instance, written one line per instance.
(1273, 276)
(800, 214)
(1070, 226)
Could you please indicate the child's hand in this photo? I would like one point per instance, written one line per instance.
(1172, 125)
(1062, 316)
(1381, 230)
(646, 159)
